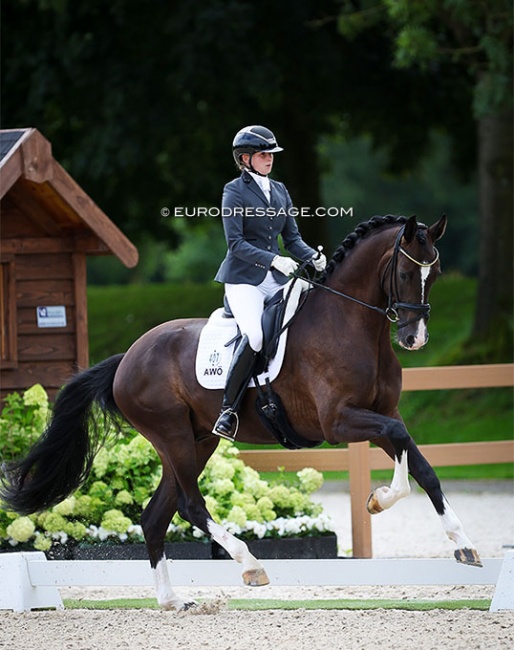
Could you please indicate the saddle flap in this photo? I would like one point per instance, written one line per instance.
(272, 321)
(216, 343)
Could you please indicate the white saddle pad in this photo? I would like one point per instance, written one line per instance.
(213, 356)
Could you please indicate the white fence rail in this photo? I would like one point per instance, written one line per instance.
(30, 581)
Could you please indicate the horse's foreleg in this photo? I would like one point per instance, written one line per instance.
(254, 574)
(385, 497)
(427, 479)
(396, 437)
(425, 476)
(192, 508)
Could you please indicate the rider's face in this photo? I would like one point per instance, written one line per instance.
(261, 162)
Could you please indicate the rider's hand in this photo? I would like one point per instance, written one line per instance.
(284, 264)
(319, 262)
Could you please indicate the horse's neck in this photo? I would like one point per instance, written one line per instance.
(339, 317)
(360, 274)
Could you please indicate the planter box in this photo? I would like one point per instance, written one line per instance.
(286, 548)
(173, 550)
(283, 548)
(57, 552)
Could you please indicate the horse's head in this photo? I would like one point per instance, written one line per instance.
(413, 270)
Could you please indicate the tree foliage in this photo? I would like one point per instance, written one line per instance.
(477, 37)
(141, 101)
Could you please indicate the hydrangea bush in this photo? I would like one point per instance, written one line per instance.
(126, 473)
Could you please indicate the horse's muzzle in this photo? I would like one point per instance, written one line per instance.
(414, 338)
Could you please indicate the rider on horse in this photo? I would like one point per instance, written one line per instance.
(255, 211)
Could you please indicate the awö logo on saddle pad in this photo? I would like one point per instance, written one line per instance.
(214, 368)
(216, 346)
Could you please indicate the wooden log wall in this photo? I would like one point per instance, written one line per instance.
(47, 271)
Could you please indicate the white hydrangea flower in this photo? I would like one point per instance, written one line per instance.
(310, 479)
(21, 529)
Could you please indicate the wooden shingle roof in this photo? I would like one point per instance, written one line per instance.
(29, 173)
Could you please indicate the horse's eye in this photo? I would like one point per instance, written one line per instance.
(403, 276)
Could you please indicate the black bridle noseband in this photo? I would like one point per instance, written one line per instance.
(391, 311)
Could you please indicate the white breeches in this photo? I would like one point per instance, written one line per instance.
(247, 304)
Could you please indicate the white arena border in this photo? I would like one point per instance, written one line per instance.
(30, 581)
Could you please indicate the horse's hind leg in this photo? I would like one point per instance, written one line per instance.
(155, 521)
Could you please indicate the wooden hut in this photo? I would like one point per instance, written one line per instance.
(48, 225)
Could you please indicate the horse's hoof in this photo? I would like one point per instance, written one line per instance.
(468, 556)
(255, 578)
(186, 606)
(372, 505)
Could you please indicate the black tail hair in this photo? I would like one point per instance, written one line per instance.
(60, 461)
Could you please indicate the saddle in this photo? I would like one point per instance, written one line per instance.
(268, 404)
(272, 324)
(216, 345)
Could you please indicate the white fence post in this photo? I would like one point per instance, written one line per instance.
(16, 590)
(504, 593)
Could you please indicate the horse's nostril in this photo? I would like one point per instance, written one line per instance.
(410, 340)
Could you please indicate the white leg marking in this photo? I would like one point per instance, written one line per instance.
(237, 549)
(166, 597)
(453, 528)
(400, 486)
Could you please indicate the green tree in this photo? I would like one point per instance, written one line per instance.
(141, 101)
(477, 38)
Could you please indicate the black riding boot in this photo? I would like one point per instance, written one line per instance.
(238, 378)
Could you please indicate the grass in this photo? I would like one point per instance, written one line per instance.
(118, 315)
(252, 604)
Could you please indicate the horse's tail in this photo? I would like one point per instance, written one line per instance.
(61, 460)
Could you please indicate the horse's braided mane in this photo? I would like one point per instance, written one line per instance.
(359, 233)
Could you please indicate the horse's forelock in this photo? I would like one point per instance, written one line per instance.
(422, 234)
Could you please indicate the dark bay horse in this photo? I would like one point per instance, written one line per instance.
(340, 382)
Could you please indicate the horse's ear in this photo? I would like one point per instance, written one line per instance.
(411, 227)
(437, 230)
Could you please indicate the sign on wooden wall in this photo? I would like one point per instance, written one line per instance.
(54, 316)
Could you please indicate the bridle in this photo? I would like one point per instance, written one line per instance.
(393, 305)
(391, 312)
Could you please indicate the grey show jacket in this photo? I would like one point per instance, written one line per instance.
(252, 226)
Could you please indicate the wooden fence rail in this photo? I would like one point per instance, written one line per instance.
(359, 458)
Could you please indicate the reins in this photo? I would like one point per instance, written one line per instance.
(391, 311)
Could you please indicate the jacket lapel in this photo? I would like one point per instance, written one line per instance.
(253, 187)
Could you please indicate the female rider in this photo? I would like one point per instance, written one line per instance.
(255, 211)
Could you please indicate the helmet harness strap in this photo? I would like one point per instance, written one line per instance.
(250, 166)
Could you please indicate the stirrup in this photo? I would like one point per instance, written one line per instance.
(223, 435)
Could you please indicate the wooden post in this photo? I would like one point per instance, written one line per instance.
(360, 487)
(79, 286)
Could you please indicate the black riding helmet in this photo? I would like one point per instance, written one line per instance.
(253, 139)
